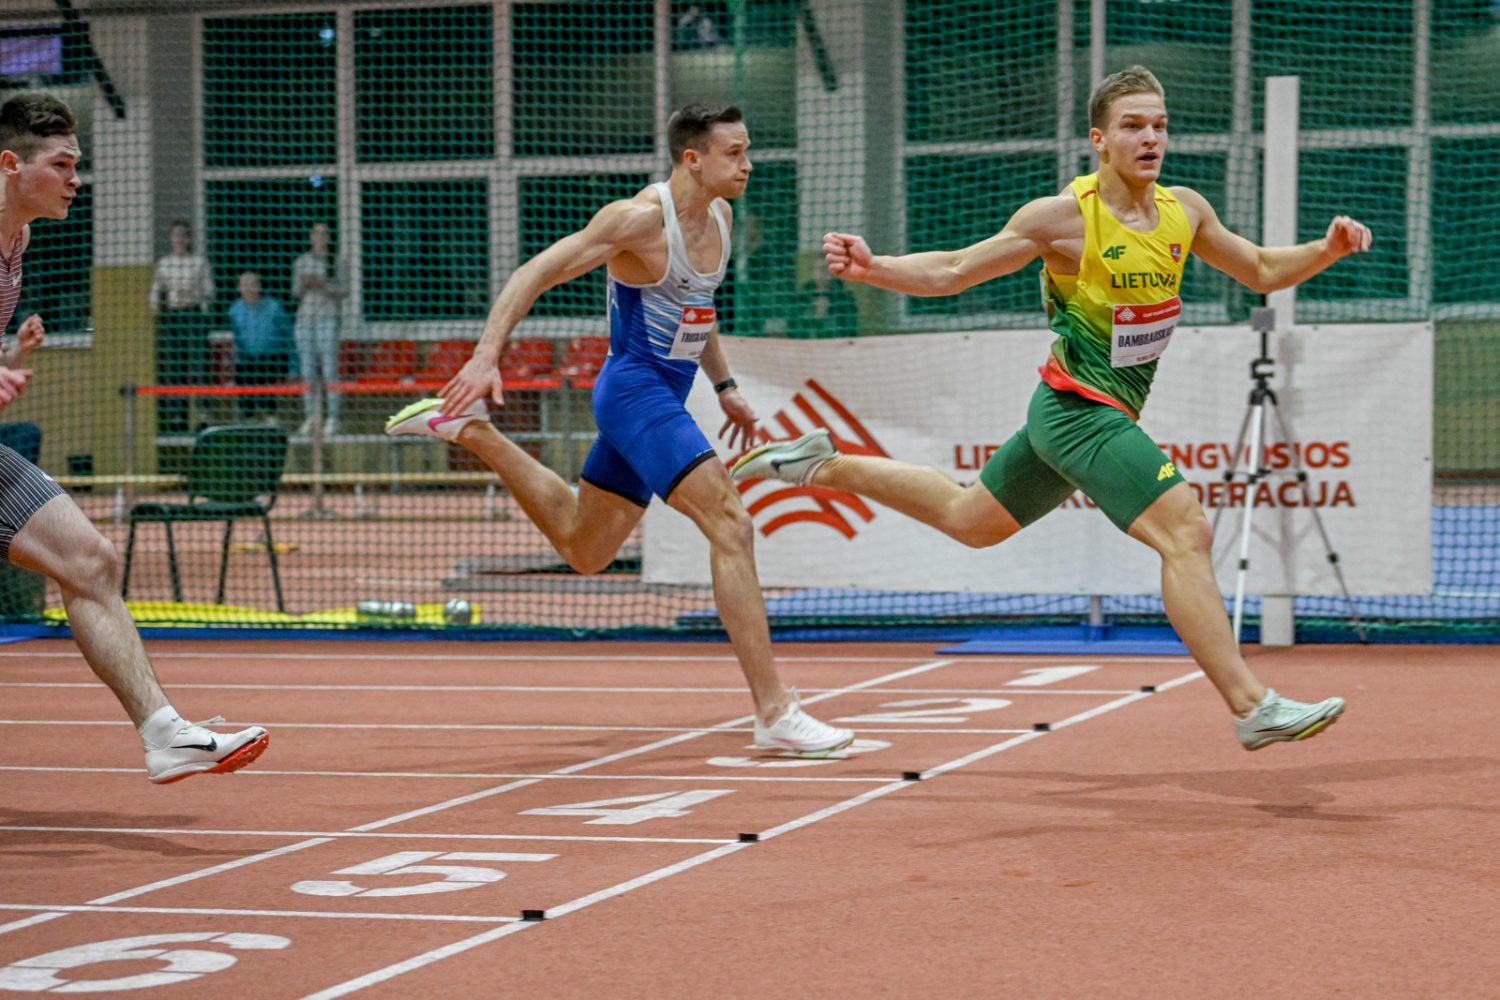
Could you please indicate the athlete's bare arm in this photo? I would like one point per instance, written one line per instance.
(1265, 269)
(621, 227)
(29, 336)
(1051, 228)
(739, 417)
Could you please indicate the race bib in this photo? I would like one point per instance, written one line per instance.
(1142, 331)
(692, 333)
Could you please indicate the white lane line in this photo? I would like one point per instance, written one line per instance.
(206, 872)
(597, 762)
(449, 804)
(886, 788)
(54, 912)
(555, 688)
(220, 912)
(744, 720)
(576, 904)
(1072, 720)
(633, 752)
(140, 890)
(465, 775)
(358, 834)
(40, 918)
(418, 961)
(467, 944)
(608, 759)
(499, 727)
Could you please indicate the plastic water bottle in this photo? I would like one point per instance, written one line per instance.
(386, 609)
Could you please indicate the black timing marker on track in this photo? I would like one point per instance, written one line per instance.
(911, 775)
(533, 914)
(1148, 689)
(1041, 727)
(749, 838)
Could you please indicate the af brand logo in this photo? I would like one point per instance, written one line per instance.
(775, 505)
(1113, 253)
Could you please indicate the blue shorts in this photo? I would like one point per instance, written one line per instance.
(647, 440)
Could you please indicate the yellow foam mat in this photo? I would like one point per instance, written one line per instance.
(174, 614)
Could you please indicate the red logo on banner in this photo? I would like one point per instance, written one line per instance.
(785, 505)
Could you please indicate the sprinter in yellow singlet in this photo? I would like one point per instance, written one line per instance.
(1113, 244)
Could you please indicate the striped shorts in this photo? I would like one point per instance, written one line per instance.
(23, 490)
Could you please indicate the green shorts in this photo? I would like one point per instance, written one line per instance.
(1070, 443)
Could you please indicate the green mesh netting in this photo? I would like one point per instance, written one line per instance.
(443, 145)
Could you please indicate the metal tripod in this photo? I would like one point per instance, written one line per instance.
(1263, 401)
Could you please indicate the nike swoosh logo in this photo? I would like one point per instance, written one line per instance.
(1289, 725)
(208, 747)
(434, 421)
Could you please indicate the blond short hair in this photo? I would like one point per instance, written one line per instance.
(1130, 80)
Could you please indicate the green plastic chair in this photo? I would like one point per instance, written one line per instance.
(233, 474)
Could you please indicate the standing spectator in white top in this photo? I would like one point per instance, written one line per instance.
(318, 285)
(181, 291)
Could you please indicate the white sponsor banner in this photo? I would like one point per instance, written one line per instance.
(1357, 398)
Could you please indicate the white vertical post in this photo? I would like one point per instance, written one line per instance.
(1419, 273)
(1067, 164)
(1279, 228)
(346, 170)
(1279, 204)
(504, 187)
(662, 98)
(1098, 36)
(1239, 182)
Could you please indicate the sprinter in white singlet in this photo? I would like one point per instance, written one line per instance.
(666, 250)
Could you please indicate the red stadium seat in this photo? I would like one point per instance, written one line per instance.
(391, 361)
(351, 358)
(444, 359)
(526, 358)
(584, 357)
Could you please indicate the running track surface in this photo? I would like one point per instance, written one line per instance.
(417, 799)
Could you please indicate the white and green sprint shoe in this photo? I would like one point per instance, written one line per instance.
(1277, 719)
(790, 461)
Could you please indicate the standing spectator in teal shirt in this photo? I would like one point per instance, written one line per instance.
(262, 344)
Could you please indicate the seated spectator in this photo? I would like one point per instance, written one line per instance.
(262, 344)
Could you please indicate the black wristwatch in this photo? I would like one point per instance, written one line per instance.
(728, 383)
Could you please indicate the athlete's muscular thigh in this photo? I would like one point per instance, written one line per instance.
(606, 520)
(979, 518)
(706, 495)
(1174, 523)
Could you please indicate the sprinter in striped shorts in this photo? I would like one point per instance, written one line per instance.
(41, 528)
